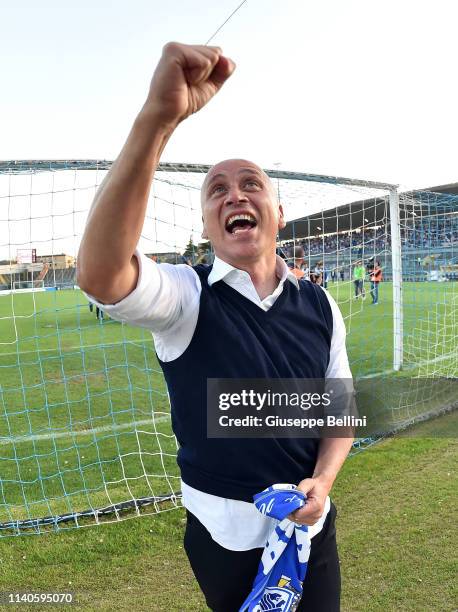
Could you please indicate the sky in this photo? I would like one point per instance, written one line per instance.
(364, 89)
(343, 87)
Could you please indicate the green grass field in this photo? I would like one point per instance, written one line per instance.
(77, 397)
(396, 529)
(76, 431)
(69, 402)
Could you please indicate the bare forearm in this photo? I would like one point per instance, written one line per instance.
(185, 79)
(331, 456)
(116, 218)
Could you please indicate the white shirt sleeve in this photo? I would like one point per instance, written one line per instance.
(165, 301)
(338, 360)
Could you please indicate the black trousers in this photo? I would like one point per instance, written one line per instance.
(226, 577)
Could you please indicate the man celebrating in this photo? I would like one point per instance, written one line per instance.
(247, 316)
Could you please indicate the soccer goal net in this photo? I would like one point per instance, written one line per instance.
(33, 285)
(85, 430)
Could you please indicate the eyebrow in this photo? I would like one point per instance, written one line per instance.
(213, 178)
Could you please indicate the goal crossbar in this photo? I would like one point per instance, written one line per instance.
(45, 165)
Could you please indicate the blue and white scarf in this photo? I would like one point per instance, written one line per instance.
(278, 585)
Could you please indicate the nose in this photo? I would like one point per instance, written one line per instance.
(235, 195)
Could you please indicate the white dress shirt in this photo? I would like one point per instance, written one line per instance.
(166, 301)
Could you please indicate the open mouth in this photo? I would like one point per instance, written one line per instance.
(240, 223)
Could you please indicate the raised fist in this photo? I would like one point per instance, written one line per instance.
(185, 79)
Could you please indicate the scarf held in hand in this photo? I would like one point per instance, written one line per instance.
(278, 584)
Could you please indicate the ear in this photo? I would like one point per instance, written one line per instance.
(281, 218)
(204, 230)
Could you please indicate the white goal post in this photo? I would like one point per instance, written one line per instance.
(28, 285)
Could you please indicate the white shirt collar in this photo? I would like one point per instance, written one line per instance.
(221, 269)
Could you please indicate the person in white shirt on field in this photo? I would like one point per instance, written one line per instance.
(182, 305)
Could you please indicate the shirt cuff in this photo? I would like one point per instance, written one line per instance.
(127, 306)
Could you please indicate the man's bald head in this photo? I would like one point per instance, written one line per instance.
(227, 164)
(240, 211)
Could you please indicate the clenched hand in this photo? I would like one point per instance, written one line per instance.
(186, 78)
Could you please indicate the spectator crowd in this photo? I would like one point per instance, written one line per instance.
(420, 235)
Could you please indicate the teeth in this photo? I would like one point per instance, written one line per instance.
(240, 218)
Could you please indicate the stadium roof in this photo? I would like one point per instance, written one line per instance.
(451, 189)
(368, 212)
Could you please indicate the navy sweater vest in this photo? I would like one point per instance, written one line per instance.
(234, 338)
